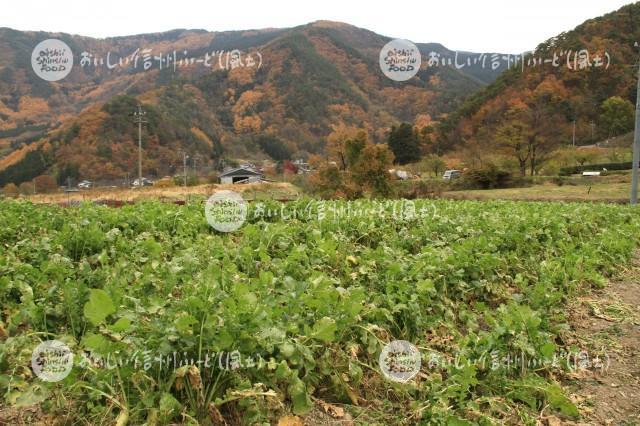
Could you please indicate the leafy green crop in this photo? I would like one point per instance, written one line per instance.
(170, 321)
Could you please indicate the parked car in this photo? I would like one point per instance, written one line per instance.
(451, 174)
(85, 184)
(145, 182)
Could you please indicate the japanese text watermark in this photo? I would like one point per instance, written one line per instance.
(52, 60)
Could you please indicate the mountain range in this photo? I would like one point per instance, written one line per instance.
(278, 94)
(279, 98)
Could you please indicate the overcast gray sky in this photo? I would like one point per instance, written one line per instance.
(483, 26)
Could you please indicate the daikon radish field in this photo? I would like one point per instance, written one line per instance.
(286, 319)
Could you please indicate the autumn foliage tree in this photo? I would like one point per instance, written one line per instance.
(328, 180)
(354, 166)
(371, 169)
(337, 143)
(527, 126)
(26, 188)
(10, 190)
(434, 164)
(45, 184)
(617, 116)
(545, 119)
(513, 136)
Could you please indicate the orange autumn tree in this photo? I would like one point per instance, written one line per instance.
(45, 184)
(337, 141)
(371, 169)
(526, 125)
(354, 165)
(513, 136)
(546, 120)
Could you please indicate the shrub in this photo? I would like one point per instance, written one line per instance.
(420, 188)
(26, 188)
(191, 180)
(559, 180)
(486, 177)
(303, 183)
(45, 184)
(165, 183)
(213, 177)
(10, 190)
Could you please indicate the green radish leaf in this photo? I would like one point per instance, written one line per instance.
(183, 323)
(122, 325)
(32, 395)
(96, 343)
(169, 407)
(325, 330)
(300, 399)
(99, 307)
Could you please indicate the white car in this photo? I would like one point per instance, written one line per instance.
(145, 182)
(451, 174)
(85, 184)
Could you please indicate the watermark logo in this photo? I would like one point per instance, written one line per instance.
(400, 361)
(335, 211)
(573, 60)
(400, 60)
(52, 60)
(226, 211)
(145, 59)
(52, 360)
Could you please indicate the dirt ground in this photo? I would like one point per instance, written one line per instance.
(606, 324)
(598, 192)
(277, 191)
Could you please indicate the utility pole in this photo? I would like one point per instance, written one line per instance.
(636, 145)
(184, 165)
(195, 167)
(139, 119)
(574, 132)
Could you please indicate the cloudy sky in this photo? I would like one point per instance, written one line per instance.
(488, 26)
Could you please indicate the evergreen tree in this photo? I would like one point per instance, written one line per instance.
(404, 144)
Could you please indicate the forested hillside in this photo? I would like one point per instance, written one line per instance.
(308, 80)
(586, 76)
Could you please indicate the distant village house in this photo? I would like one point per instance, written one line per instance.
(241, 175)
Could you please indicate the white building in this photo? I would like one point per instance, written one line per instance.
(241, 175)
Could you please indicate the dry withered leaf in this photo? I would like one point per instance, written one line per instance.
(332, 410)
(290, 421)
